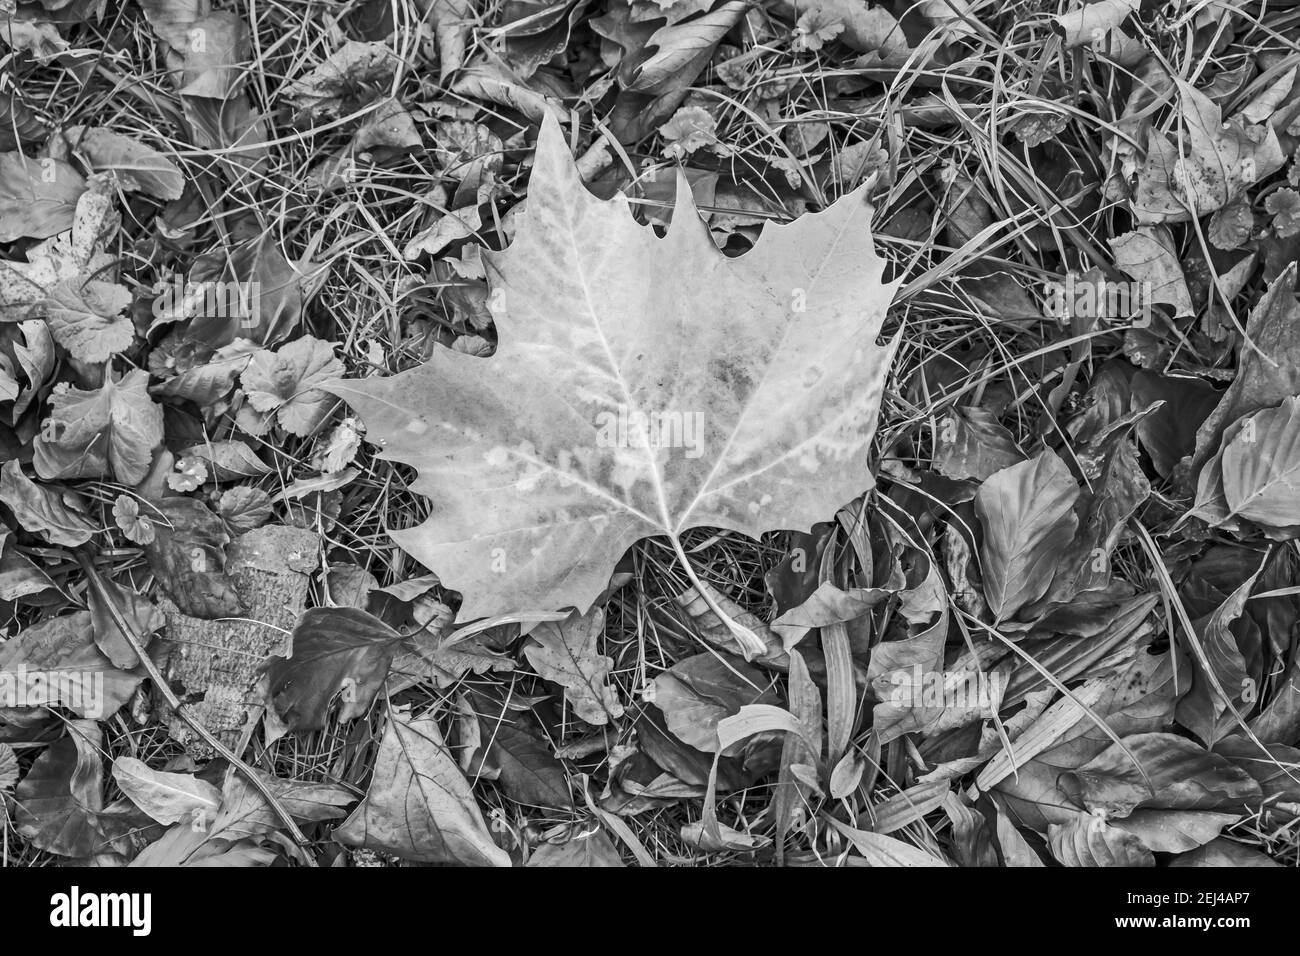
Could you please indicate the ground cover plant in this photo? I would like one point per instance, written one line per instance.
(649, 433)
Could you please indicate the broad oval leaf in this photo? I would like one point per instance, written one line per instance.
(166, 797)
(337, 651)
(1261, 467)
(1090, 841)
(419, 806)
(1028, 518)
(642, 386)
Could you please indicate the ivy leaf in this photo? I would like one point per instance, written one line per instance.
(539, 458)
(336, 651)
(419, 806)
(92, 433)
(565, 652)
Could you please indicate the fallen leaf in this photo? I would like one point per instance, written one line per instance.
(566, 652)
(790, 396)
(419, 806)
(41, 510)
(337, 651)
(1027, 514)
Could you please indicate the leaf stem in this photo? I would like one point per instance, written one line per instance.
(751, 645)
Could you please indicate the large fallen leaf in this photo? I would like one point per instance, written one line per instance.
(419, 806)
(642, 386)
(566, 652)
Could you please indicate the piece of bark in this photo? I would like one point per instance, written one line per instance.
(218, 663)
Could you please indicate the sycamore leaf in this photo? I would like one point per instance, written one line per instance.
(135, 165)
(61, 796)
(41, 510)
(1026, 511)
(566, 652)
(641, 386)
(1090, 841)
(1261, 467)
(419, 806)
(166, 797)
(90, 433)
